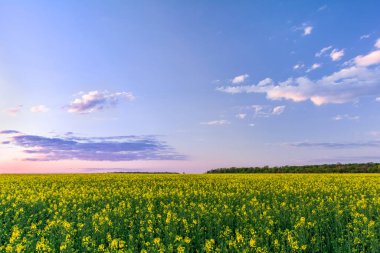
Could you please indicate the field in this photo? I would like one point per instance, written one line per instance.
(190, 213)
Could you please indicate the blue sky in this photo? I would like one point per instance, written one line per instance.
(187, 86)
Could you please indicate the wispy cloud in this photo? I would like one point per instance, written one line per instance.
(216, 122)
(345, 117)
(9, 132)
(346, 159)
(70, 147)
(360, 79)
(323, 51)
(336, 54)
(240, 79)
(263, 111)
(13, 111)
(337, 145)
(97, 100)
(39, 109)
(323, 7)
(314, 67)
(365, 36)
(278, 110)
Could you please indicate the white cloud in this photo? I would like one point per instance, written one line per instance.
(216, 122)
(96, 100)
(240, 79)
(346, 85)
(298, 66)
(377, 44)
(322, 51)
(336, 54)
(278, 110)
(345, 117)
(365, 36)
(378, 99)
(369, 59)
(252, 125)
(241, 115)
(39, 108)
(307, 30)
(313, 67)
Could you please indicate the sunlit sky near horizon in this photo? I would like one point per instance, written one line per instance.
(187, 86)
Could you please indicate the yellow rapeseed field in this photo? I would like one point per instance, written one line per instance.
(190, 213)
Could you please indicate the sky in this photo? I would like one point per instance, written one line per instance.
(187, 86)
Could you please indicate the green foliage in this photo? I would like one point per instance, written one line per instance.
(324, 168)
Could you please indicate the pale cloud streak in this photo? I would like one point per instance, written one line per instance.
(365, 36)
(39, 109)
(323, 51)
(96, 101)
(216, 122)
(13, 111)
(345, 117)
(337, 145)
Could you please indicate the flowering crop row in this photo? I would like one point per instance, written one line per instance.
(190, 213)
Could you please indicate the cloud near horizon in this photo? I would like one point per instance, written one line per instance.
(360, 79)
(97, 100)
(113, 148)
(13, 111)
(337, 145)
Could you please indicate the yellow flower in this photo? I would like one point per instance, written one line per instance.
(180, 249)
(252, 243)
(156, 240)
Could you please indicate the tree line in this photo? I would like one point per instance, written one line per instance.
(321, 168)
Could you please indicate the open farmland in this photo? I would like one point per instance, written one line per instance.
(190, 213)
